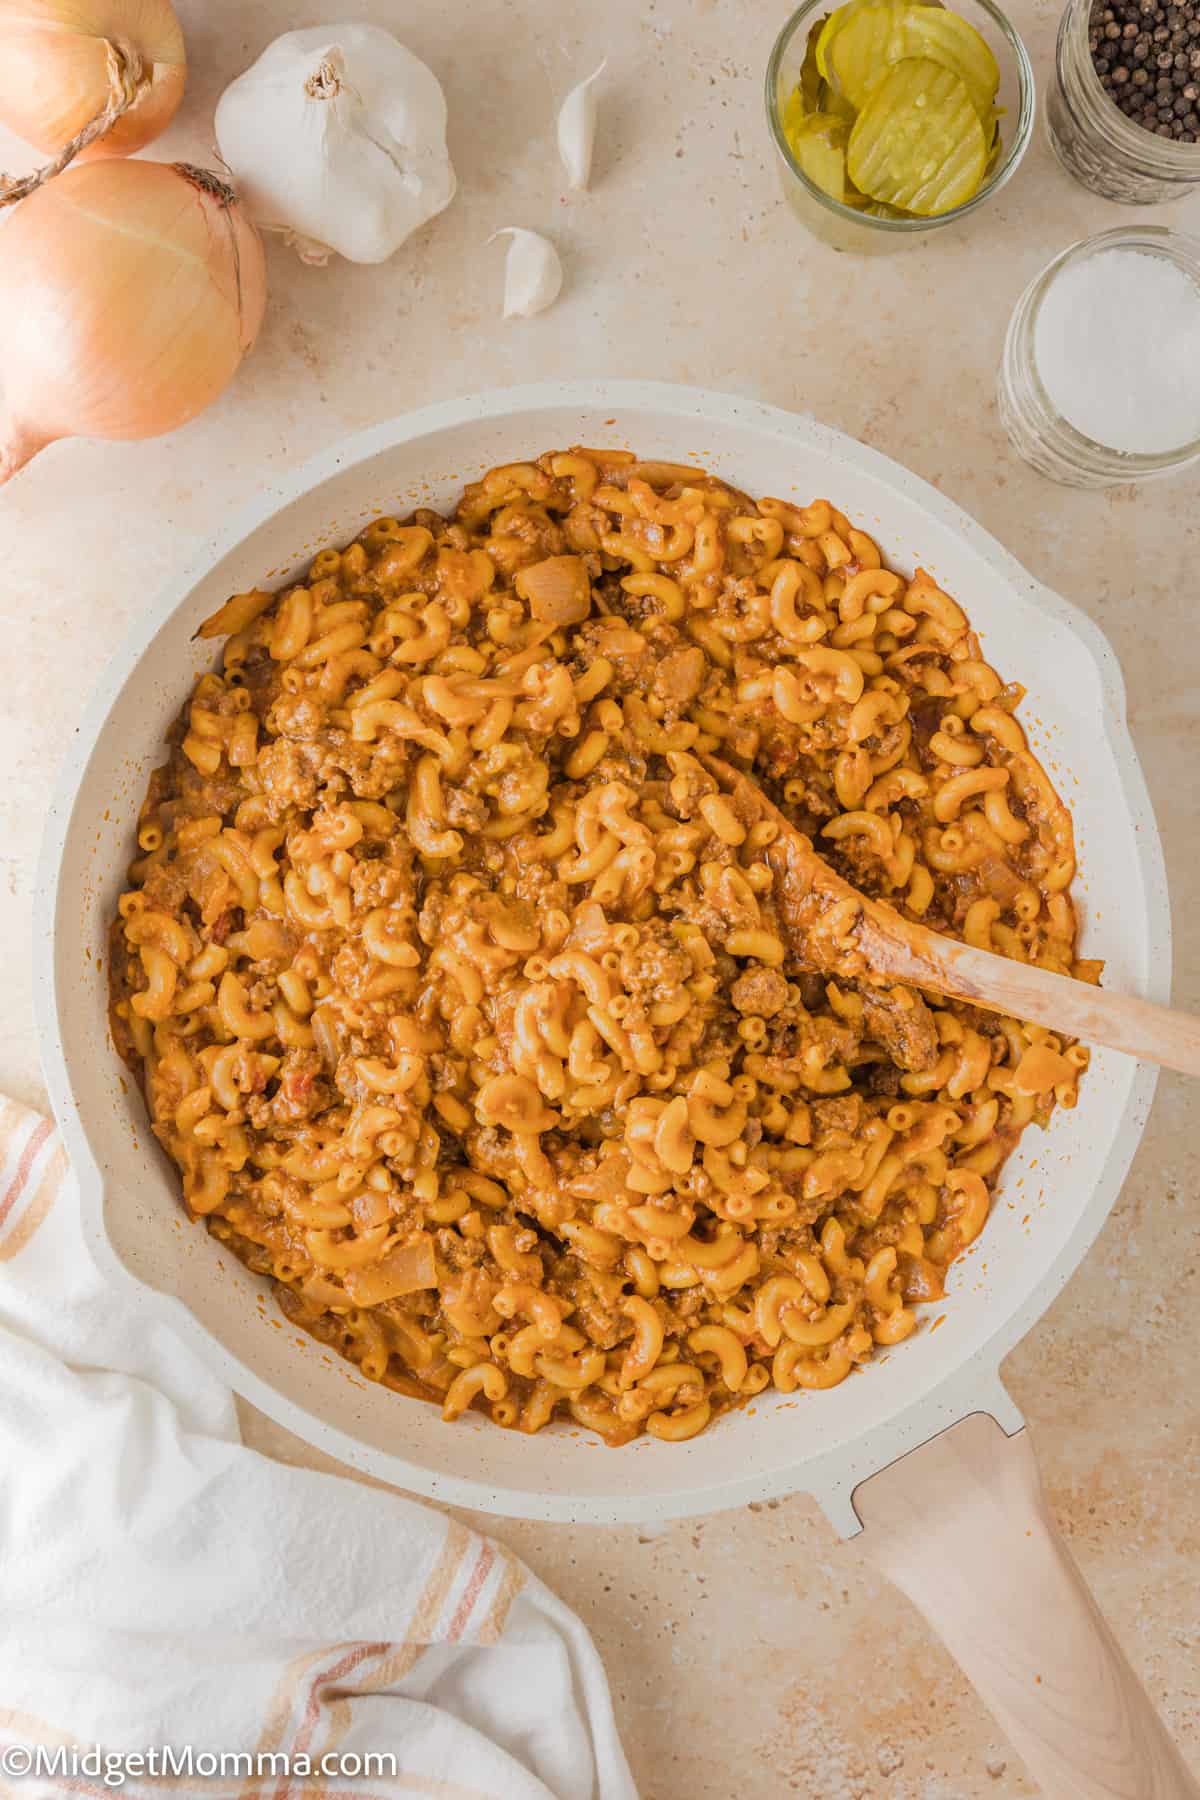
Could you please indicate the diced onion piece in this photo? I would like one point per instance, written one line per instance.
(403, 1270)
(556, 591)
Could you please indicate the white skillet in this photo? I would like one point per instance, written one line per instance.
(925, 1449)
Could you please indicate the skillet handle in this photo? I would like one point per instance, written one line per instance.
(963, 1528)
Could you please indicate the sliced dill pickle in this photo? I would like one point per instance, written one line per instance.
(827, 31)
(827, 28)
(819, 146)
(810, 74)
(830, 102)
(811, 94)
(991, 132)
(864, 39)
(879, 209)
(918, 142)
(794, 114)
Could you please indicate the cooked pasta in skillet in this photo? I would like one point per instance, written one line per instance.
(460, 991)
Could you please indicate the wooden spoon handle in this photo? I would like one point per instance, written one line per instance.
(962, 1527)
(1076, 1008)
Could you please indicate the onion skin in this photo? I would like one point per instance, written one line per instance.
(129, 294)
(54, 70)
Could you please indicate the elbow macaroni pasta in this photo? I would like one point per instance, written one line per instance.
(461, 996)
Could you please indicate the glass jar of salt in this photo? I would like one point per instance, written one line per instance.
(1099, 383)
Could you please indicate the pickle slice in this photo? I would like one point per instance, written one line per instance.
(794, 114)
(918, 142)
(812, 93)
(810, 75)
(819, 146)
(827, 28)
(825, 32)
(828, 101)
(863, 39)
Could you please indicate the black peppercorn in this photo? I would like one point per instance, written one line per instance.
(1147, 58)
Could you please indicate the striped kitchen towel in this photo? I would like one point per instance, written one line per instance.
(162, 1587)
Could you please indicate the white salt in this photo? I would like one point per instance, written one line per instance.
(1117, 347)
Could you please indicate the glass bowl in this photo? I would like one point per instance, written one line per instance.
(841, 226)
(1038, 431)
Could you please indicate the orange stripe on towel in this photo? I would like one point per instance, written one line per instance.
(46, 1193)
(28, 1157)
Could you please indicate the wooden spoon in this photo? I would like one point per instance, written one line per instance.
(874, 939)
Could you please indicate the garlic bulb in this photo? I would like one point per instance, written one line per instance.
(533, 274)
(337, 136)
(577, 129)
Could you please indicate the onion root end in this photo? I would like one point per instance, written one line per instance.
(19, 444)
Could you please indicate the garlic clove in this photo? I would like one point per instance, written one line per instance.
(577, 129)
(313, 254)
(336, 136)
(533, 273)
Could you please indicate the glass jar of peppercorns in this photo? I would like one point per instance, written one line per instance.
(1124, 112)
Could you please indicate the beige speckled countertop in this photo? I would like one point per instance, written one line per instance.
(750, 1654)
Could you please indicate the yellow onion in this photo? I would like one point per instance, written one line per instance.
(129, 294)
(89, 77)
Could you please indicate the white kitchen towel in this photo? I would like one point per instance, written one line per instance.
(161, 1585)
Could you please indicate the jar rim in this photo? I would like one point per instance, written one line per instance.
(1022, 131)
(1183, 251)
